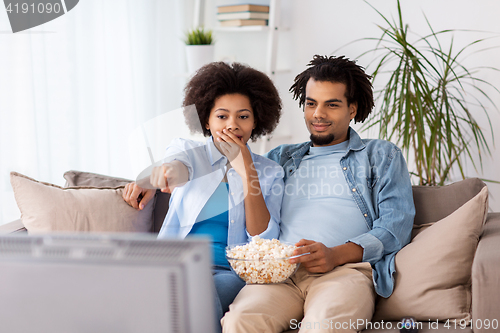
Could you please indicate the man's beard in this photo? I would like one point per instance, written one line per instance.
(321, 140)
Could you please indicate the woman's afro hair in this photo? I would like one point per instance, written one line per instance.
(219, 78)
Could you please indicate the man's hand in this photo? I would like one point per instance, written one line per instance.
(169, 176)
(317, 258)
(136, 196)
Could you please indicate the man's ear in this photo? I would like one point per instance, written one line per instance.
(353, 110)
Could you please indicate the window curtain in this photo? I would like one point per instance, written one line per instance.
(74, 89)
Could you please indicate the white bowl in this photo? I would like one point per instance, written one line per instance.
(257, 267)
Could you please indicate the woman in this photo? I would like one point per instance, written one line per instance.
(220, 188)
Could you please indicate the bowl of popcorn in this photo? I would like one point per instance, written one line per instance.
(262, 261)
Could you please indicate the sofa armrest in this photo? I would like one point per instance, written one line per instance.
(12, 227)
(486, 276)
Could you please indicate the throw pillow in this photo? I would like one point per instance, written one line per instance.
(81, 178)
(433, 272)
(49, 208)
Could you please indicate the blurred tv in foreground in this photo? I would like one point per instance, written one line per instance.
(105, 283)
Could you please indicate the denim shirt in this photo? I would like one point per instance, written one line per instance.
(378, 177)
(207, 166)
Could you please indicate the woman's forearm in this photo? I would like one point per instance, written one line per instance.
(256, 212)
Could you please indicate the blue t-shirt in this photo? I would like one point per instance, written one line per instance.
(213, 221)
(318, 203)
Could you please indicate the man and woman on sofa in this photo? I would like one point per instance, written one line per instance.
(346, 202)
(227, 192)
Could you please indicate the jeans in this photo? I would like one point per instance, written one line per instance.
(227, 286)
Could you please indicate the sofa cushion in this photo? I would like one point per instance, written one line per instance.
(432, 203)
(80, 178)
(161, 207)
(433, 272)
(47, 208)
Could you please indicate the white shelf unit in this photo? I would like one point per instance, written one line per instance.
(242, 29)
(272, 30)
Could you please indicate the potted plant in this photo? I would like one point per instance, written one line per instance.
(199, 48)
(427, 102)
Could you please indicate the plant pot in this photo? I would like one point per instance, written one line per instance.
(198, 55)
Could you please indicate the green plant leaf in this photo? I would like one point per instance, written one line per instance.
(198, 36)
(428, 100)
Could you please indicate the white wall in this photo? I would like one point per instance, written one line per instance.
(314, 27)
(73, 89)
(323, 26)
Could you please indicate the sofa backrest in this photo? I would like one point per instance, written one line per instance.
(432, 203)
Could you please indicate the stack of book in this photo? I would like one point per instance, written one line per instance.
(242, 15)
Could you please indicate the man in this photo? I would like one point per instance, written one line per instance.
(348, 205)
